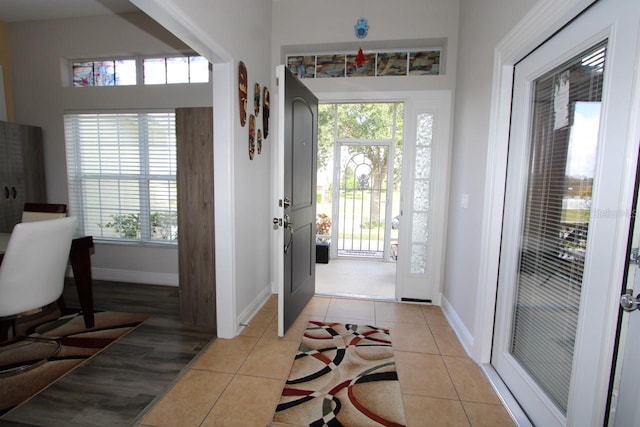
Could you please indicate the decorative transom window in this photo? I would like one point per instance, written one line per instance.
(122, 175)
(343, 64)
(124, 71)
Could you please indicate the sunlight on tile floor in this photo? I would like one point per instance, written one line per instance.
(238, 382)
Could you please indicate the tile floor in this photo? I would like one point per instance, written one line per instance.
(361, 278)
(238, 382)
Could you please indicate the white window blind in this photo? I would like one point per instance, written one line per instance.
(563, 147)
(122, 175)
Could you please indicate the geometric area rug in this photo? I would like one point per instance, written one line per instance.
(78, 344)
(342, 375)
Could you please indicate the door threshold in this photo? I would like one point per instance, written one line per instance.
(504, 394)
(355, 296)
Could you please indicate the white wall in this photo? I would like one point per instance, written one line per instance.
(328, 26)
(41, 95)
(228, 32)
(323, 26)
(483, 23)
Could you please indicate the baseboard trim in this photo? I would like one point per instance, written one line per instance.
(463, 334)
(129, 276)
(245, 317)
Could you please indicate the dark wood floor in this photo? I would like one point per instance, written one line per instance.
(115, 387)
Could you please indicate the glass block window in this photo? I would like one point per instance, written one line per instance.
(376, 63)
(122, 175)
(421, 206)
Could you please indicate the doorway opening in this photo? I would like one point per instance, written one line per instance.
(358, 198)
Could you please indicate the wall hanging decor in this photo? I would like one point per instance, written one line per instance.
(266, 109)
(256, 98)
(259, 141)
(252, 136)
(242, 92)
(362, 28)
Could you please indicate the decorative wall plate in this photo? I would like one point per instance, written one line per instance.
(266, 109)
(242, 92)
(252, 136)
(256, 98)
(259, 142)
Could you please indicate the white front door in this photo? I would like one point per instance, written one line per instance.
(564, 233)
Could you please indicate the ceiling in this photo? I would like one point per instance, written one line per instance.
(30, 10)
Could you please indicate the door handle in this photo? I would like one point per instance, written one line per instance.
(628, 302)
(288, 225)
(6, 192)
(14, 193)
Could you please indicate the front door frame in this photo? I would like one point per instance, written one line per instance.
(440, 103)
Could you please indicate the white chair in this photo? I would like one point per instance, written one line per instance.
(43, 211)
(33, 268)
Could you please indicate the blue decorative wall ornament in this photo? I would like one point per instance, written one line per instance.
(362, 28)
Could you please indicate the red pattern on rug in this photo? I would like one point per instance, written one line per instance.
(343, 375)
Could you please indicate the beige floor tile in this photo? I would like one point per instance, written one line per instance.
(447, 390)
(469, 380)
(247, 401)
(271, 304)
(429, 411)
(354, 321)
(399, 313)
(361, 277)
(317, 307)
(424, 375)
(434, 315)
(259, 323)
(447, 341)
(294, 333)
(487, 415)
(353, 309)
(412, 337)
(271, 358)
(189, 400)
(224, 355)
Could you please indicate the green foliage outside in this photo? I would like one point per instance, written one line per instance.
(351, 124)
(362, 121)
(573, 216)
(128, 226)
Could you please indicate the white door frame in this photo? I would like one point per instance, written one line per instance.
(440, 103)
(624, 409)
(539, 24)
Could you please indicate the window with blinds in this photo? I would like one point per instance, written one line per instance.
(122, 175)
(563, 140)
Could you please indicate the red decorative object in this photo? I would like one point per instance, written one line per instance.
(360, 59)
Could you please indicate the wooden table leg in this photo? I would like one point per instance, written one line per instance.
(80, 258)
